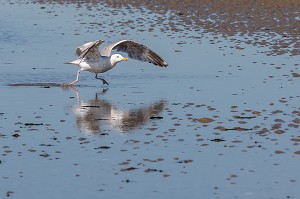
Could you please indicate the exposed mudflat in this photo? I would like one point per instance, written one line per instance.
(221, 121)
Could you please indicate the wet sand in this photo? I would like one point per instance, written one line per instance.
(270, 24)
(222, 121)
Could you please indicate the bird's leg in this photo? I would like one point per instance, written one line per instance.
(77, 94)
(103, 80)
(76, 80)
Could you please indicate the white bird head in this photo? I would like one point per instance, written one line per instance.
(116, 58)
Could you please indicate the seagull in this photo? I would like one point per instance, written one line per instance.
(95, 61)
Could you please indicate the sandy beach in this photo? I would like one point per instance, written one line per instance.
(221, 121)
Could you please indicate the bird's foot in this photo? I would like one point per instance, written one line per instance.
(104, 82)
(72, 83)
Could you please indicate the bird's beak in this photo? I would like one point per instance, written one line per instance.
(125, 59)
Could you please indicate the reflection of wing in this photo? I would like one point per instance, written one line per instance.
(94, 115)
(135, 51)
(132, 119)
(89, 50)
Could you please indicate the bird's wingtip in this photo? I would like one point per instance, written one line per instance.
(75, 62)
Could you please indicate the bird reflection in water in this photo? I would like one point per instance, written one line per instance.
(95, 115)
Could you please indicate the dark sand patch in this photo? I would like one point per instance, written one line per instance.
(47, 85)
(273, 25)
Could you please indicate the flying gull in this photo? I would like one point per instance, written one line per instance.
(95, 61)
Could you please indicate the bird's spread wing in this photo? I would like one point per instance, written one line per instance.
(135, 51)
(89, 50)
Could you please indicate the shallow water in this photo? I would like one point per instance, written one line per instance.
(222, 121)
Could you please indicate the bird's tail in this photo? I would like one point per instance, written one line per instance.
(75, 62)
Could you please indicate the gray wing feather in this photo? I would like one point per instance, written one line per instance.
(135, 51)
(89, 50)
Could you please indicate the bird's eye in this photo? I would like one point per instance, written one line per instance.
(117, 56)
